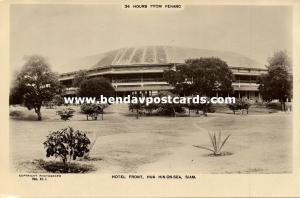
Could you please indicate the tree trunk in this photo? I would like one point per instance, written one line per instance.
(282, 104)
(204, 111)
(174, 113)
(65, 164)
(38, 112)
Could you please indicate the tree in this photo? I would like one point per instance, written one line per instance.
(36, 84)
(67, 144)
(202, 76)
(16, 94)
(276, 84)
(95, 87)
(79, 78)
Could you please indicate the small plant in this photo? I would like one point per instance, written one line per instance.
(92, 110)
(66, 113)
(217, 143)
(67, 144)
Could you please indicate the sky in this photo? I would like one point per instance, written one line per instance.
(63, 33)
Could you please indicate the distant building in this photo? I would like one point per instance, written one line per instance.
(139, 70)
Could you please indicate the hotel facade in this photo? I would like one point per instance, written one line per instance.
(139, 70)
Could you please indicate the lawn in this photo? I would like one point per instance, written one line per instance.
(259, 142)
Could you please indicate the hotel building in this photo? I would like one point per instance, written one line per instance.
(139, 70)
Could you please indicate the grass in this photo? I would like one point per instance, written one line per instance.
(162, 144)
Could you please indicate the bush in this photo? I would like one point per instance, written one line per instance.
(66, 113)
(205, 108)
(170, 109)
(162, 108)
(58, 100)
(240, 104)
(16, 113)
(274, 105)
(92, 110)
(67, 144)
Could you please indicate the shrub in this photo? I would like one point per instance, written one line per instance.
(67, 144)
(16, 113)
(92, 110)
(274, 105)
(240, 104)
(169, 108)
(58, 100)
(150, 108)
(216, 142)
(66, 113)
(205, 108)
(139, 107)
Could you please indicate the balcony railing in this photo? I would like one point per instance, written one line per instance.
(137, 80)
(245, 81)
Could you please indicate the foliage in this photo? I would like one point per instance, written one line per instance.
(95, 87)
(57, 100)
(66, 113)
(169, 109)
(16, 94)
(203, 76)
(80, 77)
(216, 142)
(273, 105)
(150, 108)
(277, 83)
(92, 110)
(67, 144)
(240, 104)
(204, 107)
(37, 84)
(138, 107)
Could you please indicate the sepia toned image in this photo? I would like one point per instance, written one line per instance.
(65, 51)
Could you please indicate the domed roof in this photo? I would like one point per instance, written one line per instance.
(164, 55)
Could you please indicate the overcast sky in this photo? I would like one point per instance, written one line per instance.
(63, 33)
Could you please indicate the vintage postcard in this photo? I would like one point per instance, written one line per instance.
(149, 98)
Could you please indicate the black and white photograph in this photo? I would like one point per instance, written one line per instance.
(60, 52)
(149, 98)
